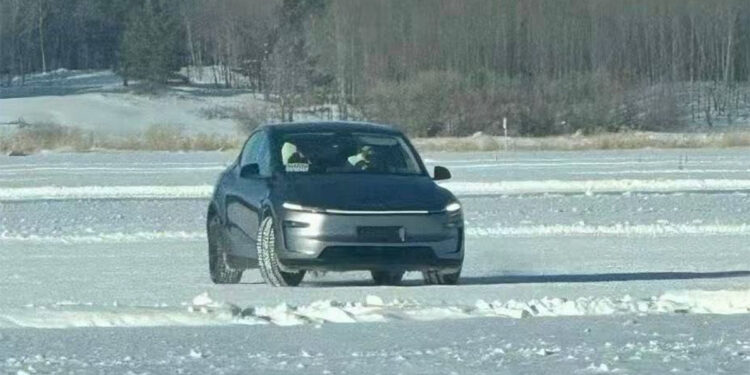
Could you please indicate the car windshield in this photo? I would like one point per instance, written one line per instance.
(369, 153)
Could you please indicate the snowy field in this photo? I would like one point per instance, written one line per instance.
(97, 101)
(580, 262)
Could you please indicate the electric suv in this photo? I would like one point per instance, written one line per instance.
(333, 196)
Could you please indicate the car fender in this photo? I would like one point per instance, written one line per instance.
(218, 199)
(266, 208)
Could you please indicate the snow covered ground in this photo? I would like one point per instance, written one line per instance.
(578, 262)
(98, 102)
(694, 344)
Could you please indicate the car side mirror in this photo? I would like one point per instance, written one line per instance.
(441, 173)
(250, 170)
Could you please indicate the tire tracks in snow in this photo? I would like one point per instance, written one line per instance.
(524, 231)
(462, 189)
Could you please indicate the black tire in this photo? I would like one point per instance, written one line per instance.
(441, 277)
(218, 267)
(268, 260)
(387, 277)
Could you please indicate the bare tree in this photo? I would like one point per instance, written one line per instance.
(41, 15)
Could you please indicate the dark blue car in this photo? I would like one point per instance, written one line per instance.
(334, 196)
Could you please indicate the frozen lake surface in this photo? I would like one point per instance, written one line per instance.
(578, 262)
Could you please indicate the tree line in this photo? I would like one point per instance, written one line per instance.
(436, 67)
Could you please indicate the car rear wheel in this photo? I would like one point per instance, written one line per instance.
(220, 270)
(268, 260)
(441, 277)
(387, 277)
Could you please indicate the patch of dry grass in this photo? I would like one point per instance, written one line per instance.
(170, 138)
(735, 139)
(30, 138)
(33, 138)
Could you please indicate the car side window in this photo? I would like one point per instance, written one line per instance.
(264, 156)
(257, 150)
(250, 152)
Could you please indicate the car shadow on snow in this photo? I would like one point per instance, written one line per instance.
(598, 277)
(322, 283)
(316, 282)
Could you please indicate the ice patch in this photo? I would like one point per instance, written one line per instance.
(663, 229)
(594, 186)
(205, 311)
(102, 238)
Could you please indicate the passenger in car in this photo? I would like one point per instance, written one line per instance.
(363, 159)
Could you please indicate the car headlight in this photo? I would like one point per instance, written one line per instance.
(301, 208)
(293, 206)
(453, 207)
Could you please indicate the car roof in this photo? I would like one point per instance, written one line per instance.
(330, 126)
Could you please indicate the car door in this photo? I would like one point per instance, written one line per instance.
(245, 195)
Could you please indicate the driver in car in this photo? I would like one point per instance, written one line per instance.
(291, 155)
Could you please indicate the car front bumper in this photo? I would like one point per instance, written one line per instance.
(328, 241)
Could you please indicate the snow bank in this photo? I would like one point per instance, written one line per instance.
(609, 230)
(105, 192)
(595, 186)
(205, 311)
(113, 317)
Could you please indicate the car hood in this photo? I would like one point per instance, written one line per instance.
(365, 192)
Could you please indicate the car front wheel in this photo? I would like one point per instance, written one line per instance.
(268, 260)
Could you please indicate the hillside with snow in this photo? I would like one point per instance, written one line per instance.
(97, 101)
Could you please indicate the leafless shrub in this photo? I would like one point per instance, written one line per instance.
(218, 112)
(601, 141)
(249, 117)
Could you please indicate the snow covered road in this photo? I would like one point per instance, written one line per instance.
(628, 262)
(694, 344)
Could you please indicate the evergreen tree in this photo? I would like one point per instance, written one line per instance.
(150, 44)
(290, 68)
